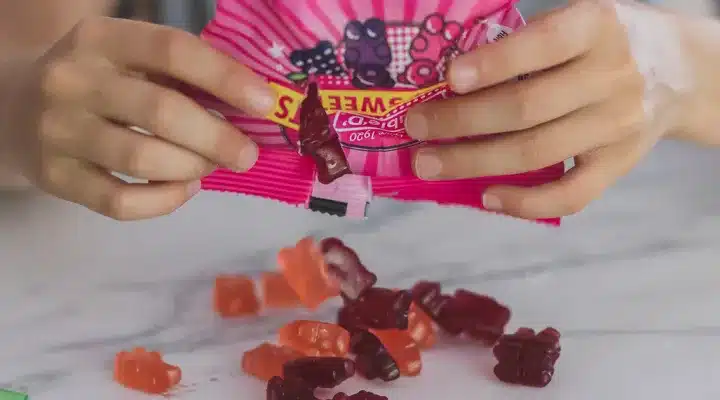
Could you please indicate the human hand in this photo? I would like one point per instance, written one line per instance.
(71, 119)
(584, 99)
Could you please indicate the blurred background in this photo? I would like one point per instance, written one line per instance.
(192, 15)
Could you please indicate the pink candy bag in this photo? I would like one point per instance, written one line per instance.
(372, 60)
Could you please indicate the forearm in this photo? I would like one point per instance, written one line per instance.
(27, 29)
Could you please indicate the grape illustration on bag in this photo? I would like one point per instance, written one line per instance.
(371, 62)
(319, 60)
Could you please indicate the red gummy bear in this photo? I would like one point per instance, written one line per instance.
(527, 358)
(481, 317)
(373, 359)
(345, 268)
(478, 316)
(320, 372)
(441, 308)
(145, 371)
(288, 389)
(361, 395)
(318, 140)
(377, 308)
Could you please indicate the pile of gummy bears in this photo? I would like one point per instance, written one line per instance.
(385, 329)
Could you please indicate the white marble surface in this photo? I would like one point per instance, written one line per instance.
(633, 283)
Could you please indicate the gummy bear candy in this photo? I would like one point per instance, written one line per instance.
(361, 395)
(319, 140)
(277, 293)
(283, 389)
(377, 308)
(323, 372)
(234, 296)
(345, 268)
(441, 308)
(305, 271)
(481, 317)
(373, 360)
(527, 358)
(145, 371)
(420, 327)
(402, 348)
(267, 360)
(315, 339)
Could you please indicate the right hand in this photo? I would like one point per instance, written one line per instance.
(72, 114)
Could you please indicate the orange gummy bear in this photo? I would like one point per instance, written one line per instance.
(305, 271)
(277, 292)
(402, 348)
(267, 360)
(315, 339)
(420, 327)
(145, 371)
(234, 296)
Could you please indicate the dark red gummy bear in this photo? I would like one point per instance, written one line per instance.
(441, 308)
(481, 317)
(361, 395)
(282, 389)
(344, 266)
(323, 372)
(373, 360)
(377, 308)
(527, 358)
(318, 140)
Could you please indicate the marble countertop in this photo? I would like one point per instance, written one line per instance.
(632, 283)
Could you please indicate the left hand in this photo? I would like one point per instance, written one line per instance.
(584, 99)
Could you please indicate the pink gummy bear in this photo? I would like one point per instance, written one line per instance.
(432, 45)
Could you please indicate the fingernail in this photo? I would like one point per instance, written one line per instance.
(416, 125)
(193, 188)
(248, 157)
(427, 164)
(491, 202)
(463, 77)
(262, 100)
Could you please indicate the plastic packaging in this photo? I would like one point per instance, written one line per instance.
(371, 62)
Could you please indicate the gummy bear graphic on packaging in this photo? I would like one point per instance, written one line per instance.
(367, 53)
(435, 43)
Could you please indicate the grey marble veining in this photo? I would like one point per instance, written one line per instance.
(632, 283)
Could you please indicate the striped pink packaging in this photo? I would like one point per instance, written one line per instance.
(372, 59)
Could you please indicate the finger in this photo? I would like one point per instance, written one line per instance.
(164, 50)
(531, 149)
(593, 173)
(515, 105)
(555, 39)
(169, 115)
(119, 149)
(543, 14)
(84, 184)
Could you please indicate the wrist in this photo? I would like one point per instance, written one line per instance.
(699, 119)
(13, 94)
